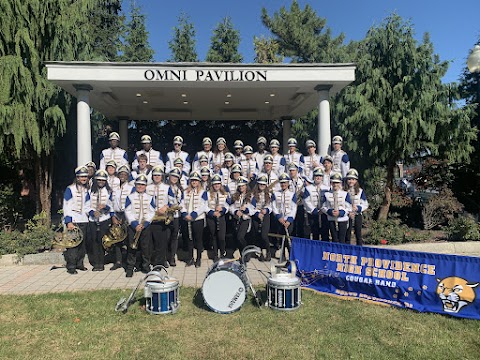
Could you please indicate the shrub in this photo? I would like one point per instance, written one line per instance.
(463, 228)
(390, 231)
(9, 206)
(36, 238)
(440, 208)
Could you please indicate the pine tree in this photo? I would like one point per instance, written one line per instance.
(301, 36)
(224, 44)
(398, 107)
(136, 47)
(106, 28)
(183, 44)
(266, 51)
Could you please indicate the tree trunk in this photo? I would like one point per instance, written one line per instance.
(387, 200)
(43, 179)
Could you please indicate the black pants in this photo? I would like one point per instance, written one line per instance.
(230, 233)
(242, 228)
(319, 226)
(95, 251)
(74, 257)
(261, 229)
(173, 241)
(217, 236)
(340, 234)
(299, 223)
(357, 229)
(144, 247)
(196, 237)
(160, 236)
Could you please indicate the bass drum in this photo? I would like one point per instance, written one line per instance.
(224, 289)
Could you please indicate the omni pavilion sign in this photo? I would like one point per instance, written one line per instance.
(205, 75)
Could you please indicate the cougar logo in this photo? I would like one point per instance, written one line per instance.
(455, 293)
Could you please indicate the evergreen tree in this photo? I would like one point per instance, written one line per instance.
(398, 107)
(136, 47)
(224, 44)
(183, 43)
(266, 51)
(301, 36)
(105, 28)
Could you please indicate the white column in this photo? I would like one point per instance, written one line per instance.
(287, 132)
(84, 132)
(324, 131)
(123, 132)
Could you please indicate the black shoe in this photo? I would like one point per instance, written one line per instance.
(72, 271)
(82, 268)
(166, 265)
(172, 262)
(98, 268)
(137, 269)
(145, 271)
(216, 258)
(198, 262)
(268, 257)
(189, 262)
(261, 258)
(116, 266)
(129, 273)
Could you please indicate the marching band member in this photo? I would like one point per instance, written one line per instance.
(312, 199)
(297, 186)
(262, 202)
(153, 157)
(341, 162)
(75, 214)
(139, 212)
(205, 174)
(177, 153)
(142, 169)
(238, 147)
(249, 165)
(207, 151)
(184, 176)
(217, 208)
(272, 177)
(92, 169)
(328, 170)
(119, 198)
(175, 195)
(221, 149)
(100, 209)
(241, 208)
(337, 205)
(193, 210)
(235, 174)
(259, 155)
(359, 205)
(279, 161)
(113, 152)
(113, 181)
(293, 156)
(284, 206)
(312, 160)
(226, 169)
(159, 229)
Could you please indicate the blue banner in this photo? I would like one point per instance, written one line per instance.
(425, 282)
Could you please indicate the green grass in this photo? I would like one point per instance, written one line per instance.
(83, 325)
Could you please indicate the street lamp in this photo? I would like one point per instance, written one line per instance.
(473, 61)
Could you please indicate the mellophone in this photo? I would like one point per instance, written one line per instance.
(224, 289)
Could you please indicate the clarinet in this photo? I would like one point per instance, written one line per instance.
(217, 219)
(352, 196)
(97, 218)
(319, 207)
(260, 223)
(335, 207)
(189, 223)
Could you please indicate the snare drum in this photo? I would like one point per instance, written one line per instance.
(225, 287)
(162, 297)
(283, 290)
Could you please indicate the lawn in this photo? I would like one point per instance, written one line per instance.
(83, 325)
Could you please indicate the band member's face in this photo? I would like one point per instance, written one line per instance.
(207, 147)
(221, 146)
(180, 166)
(268, 166)
(337, 146)
(293, 173)
(236, 175)
(147, 146)
(177, 147)
(203, 163)
(123, 176)
(157, 179)
(318, 179)
(110, 170)
(336, 186)
(261, 146)
(248, 156)
(242, 188)
(91, 171)
(140, 188)
(292, 149)
(194, 183)
(142, 164)
(113, 144)
(284, 185)
(274, 149)
(217, 186)
(205, 178)
(82, 179)
(101, 183)
(351, 182)
(173, 179)
(262, 187)
(238, 150)
(228, 163)
(327, 165)
(311, 150)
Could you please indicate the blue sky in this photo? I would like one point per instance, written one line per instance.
(454, 26)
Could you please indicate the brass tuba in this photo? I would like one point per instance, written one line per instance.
(116, 233)
(68, 238)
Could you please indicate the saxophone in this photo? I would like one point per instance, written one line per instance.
(335, 207)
